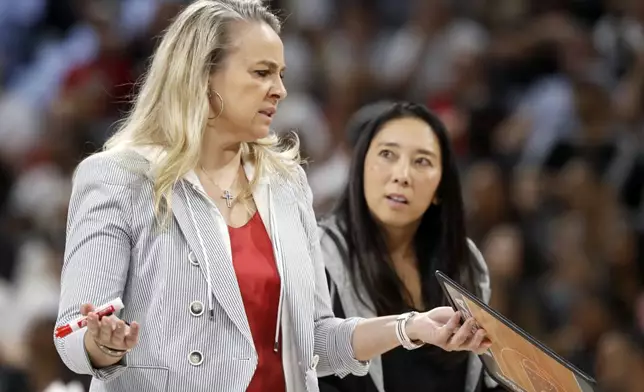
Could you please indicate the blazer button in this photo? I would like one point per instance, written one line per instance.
(195, 358)
(196, 308)
(193, 259)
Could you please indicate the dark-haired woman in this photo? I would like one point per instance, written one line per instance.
(399, 220)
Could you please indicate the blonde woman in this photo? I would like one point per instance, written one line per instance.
(202, 223)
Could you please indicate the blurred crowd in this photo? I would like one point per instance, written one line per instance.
(543, 99)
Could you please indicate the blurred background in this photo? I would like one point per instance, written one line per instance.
(544, 101)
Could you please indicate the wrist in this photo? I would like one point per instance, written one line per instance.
(402, 331)
(97, 357)
(111, 352)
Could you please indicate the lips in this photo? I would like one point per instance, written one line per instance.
(397, 198)
(270, 112)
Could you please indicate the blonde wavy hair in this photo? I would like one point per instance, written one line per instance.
(171, 110)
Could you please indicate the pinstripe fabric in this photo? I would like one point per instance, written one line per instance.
(114, 249)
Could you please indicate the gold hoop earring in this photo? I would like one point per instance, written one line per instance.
(222, 104)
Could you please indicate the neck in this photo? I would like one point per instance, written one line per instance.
(400, 242)
(219, 152)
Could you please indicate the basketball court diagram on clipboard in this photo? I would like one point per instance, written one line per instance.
(516, 360)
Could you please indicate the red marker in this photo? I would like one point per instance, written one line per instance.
(105, 310)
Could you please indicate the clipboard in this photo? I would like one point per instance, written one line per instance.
(516, 360)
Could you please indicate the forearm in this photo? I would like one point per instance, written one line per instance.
(374, 336)
(97, 357)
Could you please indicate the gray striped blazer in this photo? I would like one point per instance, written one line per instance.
(113, 248)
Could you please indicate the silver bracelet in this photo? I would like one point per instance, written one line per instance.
(401, 331)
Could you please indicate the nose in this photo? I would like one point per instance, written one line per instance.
(401, 173)
(278, 91)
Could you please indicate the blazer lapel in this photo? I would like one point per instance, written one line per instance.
(196, 222)
(289, 242)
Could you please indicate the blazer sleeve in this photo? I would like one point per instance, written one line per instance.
(97, 254)
(333, 336)
(483, 279)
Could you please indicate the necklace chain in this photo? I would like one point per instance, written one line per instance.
(226, 194)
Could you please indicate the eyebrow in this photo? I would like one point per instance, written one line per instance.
(271, 64)
(418, 150)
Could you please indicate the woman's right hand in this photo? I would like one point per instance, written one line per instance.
(110, 332)
(442, 327)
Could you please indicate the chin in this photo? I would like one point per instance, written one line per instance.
(254, 134)
(260, 132)
(395, 220)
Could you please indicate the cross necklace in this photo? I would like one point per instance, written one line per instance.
(226, 195)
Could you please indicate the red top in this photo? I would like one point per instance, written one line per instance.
(259, 283)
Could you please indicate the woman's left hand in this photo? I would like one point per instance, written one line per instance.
(442, 327)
